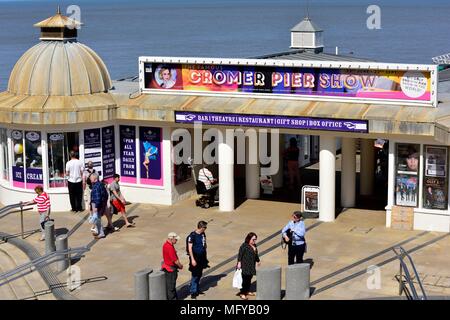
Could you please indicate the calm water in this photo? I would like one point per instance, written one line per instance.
(121, 31)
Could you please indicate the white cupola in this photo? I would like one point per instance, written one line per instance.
(307, 35)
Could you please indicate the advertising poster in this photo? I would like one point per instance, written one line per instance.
(305, 81)
(435, 161)
(150, 140)
(128, 154)
(18, 158)
(408, 156)
(435, 193)
(310, 196)
(33, 151)
(108, 153)
(406, 190)
(93, 149)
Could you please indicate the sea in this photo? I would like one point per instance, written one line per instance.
(403, 31)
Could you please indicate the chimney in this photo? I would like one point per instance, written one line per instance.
(308, 36)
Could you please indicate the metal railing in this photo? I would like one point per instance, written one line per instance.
(38, 263)
(7, 210)
(412, 292)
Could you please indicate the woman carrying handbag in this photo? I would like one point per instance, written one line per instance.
(248, 259)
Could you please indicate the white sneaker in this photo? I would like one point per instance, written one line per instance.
(94, 230)
(42, 237)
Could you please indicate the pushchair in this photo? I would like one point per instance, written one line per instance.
(207, 197)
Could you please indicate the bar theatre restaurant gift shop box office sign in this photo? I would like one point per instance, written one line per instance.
(131, 134)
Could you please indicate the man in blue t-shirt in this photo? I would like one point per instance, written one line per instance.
(196, 249)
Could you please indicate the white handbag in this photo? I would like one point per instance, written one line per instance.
(237, 279)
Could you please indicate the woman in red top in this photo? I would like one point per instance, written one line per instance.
(43, 205)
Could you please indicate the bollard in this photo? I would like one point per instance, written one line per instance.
(297, 281)
(49, 237)
(157, 286)
(62, 244)
(141, 284)
(268, 283)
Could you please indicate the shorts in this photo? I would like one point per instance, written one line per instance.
(118, 205)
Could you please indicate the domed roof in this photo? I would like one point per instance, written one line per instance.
(59, 68)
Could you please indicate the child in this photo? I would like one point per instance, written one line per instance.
(43, 205)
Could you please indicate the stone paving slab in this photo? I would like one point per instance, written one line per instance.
(331, 246)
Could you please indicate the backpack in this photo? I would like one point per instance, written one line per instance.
(88, 179)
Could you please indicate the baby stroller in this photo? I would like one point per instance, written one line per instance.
(207, 196)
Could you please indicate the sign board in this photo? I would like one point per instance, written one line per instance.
(272, 121)
(402, 218)
(310, 199)
(266, 184)
(318, 80)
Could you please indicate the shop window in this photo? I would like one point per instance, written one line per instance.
(5, 154)
(59, 147)
(435, 178)
(407, 174)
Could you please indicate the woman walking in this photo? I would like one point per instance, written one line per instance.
(247, 260)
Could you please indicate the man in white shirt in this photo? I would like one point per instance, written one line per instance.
(205, 176)
(74, 172)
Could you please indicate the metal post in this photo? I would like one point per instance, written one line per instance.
(49, 237)
(21, 219)
(268, 283)
(141, 288)
(157, 286)
(400, 288)
(62, 245)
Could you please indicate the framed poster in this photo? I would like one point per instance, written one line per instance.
(128, 154)
(150, 144)
(407, 160)
(310, 199)
(93, 149)
(18, 173)
(33, 159)
(435, 161)
(108, 153)
(435, 182)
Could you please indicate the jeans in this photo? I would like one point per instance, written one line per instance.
(297, 253)
(195, 284)
(98, 224)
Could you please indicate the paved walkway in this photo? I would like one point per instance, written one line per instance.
(340, 252)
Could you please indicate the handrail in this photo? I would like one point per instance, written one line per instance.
(7, 210)
(39, 263)
(403, 267)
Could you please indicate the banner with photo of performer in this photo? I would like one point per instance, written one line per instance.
(128, 154)
(150, 141)
(435, 161)
(435, 194)
(406, 190)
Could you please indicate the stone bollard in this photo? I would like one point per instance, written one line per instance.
(157, 286)
(49, 237)
(268, 283)
(61, 245)
(141, 284)
(297, 281)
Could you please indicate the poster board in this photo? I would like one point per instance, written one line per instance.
(310, 199)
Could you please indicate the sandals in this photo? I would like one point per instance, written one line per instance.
(243, 297)
(131, 225)
(251, 294)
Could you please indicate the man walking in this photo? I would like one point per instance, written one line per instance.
(74, 170)
(196, 248)
(117, 199)
(294, 234)
(99, 198)
(171, 264)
